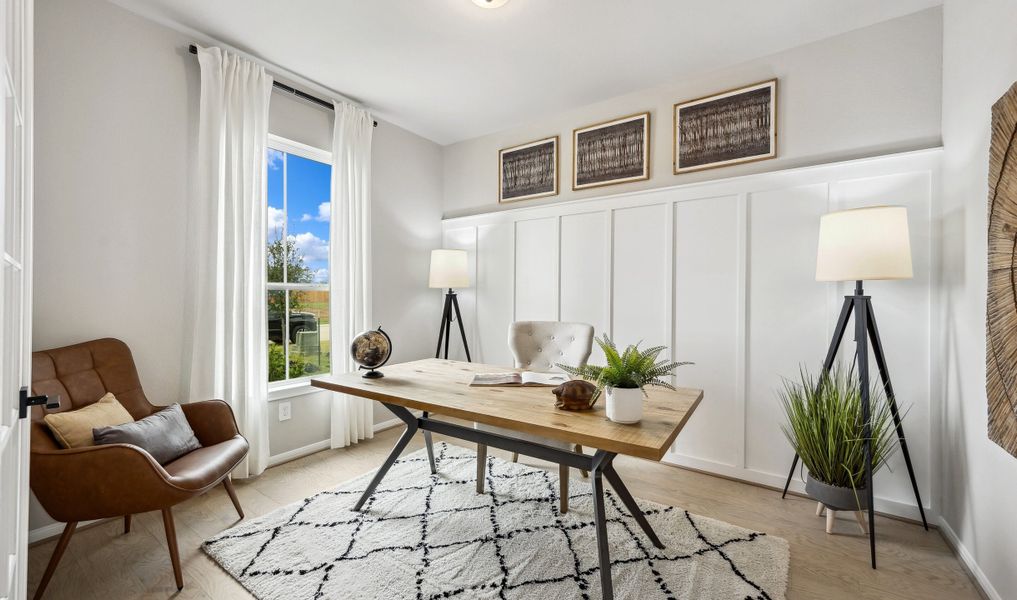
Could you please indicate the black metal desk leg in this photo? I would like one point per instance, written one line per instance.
(430, 448)
(600, 522)
(411, 429)
(630, 503)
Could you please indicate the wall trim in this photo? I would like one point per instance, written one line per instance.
(290, 455)
(593, 203)
(967, 560)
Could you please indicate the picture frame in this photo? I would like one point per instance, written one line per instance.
(611, 152)
(529, 170)
(727, 128)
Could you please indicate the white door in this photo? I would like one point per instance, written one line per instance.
(15, 288)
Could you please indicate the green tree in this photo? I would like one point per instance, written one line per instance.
(284, 252)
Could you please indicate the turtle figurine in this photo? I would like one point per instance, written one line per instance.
(575, 395)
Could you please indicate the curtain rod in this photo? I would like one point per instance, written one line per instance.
(289, 90)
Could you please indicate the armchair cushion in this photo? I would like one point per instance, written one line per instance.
(164, 434)
(73, 429)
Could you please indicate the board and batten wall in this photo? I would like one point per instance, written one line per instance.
(723, 273)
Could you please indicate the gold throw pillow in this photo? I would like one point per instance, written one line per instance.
(73, 428)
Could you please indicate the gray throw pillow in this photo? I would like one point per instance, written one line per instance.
(165, 435)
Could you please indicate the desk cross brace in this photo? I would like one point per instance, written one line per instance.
(599, 465)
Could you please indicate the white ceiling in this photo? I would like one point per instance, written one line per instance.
(449, 70)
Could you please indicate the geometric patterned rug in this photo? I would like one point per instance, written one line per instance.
(429, 536)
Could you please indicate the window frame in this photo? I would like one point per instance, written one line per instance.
(285, 388)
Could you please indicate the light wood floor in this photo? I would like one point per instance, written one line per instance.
(102, 563)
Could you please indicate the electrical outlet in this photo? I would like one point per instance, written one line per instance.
(284, 411)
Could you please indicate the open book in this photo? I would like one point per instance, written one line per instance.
(524, 378)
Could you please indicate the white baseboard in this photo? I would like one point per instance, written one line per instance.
(294, 454)
(883, 505)
(54, 529)
(981, 581)
(283, 457)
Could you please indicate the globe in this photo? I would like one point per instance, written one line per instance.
(371, 349)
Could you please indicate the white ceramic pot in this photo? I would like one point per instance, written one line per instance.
(625, 405)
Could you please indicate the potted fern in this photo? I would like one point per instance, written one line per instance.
(624, 376)
(825, 426)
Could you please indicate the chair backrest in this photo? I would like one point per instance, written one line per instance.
(82, 374)
(539, 345)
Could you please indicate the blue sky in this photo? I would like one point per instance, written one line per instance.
(307, 200)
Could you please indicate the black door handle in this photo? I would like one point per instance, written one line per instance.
(26, 401)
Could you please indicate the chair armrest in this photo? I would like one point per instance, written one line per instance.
(211, 420)
(96, 482)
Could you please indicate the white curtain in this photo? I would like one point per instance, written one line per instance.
(227, 247)
(352, 417)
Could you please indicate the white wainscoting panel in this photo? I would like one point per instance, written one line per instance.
(709, 274)
(788, 317)
(723, 273)
(586, 272)
(536, 270)
(494, 289)
(641, 281)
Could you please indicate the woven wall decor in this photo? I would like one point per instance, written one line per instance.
(1001, 305)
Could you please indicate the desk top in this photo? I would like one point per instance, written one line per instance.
(442, 387)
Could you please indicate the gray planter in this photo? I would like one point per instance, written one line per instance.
(836, 498)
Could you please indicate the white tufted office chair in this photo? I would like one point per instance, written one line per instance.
(539, 346)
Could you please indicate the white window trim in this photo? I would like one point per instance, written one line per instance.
(289, 388)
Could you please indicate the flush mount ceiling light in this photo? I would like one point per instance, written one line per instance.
(490, 3)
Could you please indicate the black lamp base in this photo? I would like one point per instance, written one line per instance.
(444, 330)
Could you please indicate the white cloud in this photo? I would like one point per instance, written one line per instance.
(321, 276)
(305, 218)
(274, 159)
(275, 220)
(324, 212)
(310, 246)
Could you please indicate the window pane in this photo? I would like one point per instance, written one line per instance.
(309, 333)
(308, 189)
(276, 301)
(276, 215)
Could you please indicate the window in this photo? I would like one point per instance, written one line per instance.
(297, 291)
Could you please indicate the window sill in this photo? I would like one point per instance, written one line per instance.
(292, 389)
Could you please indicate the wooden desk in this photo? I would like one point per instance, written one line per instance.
(441, 387)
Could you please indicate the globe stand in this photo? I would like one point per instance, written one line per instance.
(372, 374)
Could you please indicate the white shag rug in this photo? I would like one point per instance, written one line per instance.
(429, 536)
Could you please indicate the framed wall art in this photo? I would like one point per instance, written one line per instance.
(728, 128)
(528, 170)
(616, 151)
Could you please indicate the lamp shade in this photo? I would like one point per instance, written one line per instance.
(449, 269)
(864, 244)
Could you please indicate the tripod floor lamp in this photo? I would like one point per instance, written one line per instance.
(856, 245)
(449, 270)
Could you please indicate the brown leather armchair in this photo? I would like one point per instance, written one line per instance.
(99, 482)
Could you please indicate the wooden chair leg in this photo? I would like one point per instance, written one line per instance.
(171, 541)
(481, 467)
(58, 553)
(563, 483)
(228, 484)
(127, 524)
(579, 449)
(515, 457)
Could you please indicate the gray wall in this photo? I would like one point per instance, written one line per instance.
(979, 478)
(871, 91)
(116, 118)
